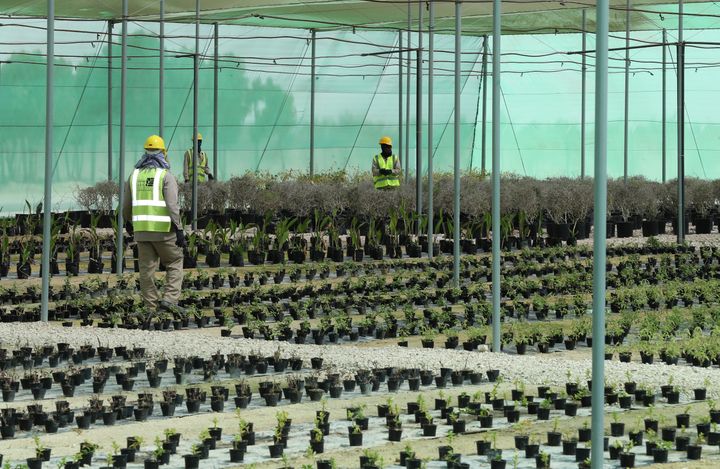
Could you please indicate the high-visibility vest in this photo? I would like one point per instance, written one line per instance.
(202, 163)
(149, 209)
(382, 181)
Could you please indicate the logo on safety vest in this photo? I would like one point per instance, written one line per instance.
(150, 182)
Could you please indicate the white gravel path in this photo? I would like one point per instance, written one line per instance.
(532, 369)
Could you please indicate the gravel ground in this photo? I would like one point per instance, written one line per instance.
(712, 239)
(533, 369)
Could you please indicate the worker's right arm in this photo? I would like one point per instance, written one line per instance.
(375, 168)
(127, 203)
(186, 166)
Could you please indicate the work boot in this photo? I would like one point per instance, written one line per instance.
(172, 308)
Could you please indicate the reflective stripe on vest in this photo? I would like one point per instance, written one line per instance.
(381, 181)
(202, 162)
(149, 209)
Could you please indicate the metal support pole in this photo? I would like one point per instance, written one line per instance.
(456, 149)
(419, 118)
(431, 73)
(681, 127)
(418, 136)
(121, 157)
(47, 201)
(664, 106)
(496, 100)
(196, 89)
(109, 101)
(600, 227)
(407, 96)
(627, 89)
(161, 86)
(483, 163)
(312, 105)
(216, 85)
(400, 147)
(582, 99)
(681, 140)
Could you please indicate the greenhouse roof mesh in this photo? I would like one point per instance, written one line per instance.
(519, 16)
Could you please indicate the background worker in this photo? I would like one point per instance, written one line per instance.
(153, 217)
(203, 168)
(386, 167)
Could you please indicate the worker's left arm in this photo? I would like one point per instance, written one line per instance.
(396, 167)
(170, 192)
(207, 168)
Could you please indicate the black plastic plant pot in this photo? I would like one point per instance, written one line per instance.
(532, 450)
(237, 455)
(554, 438)
(34, 463)
(617, 429)
(356, 439)
(521, 441)
(543, 413)
(492, 375)
(498, 464)
(395, 434)
(682, 442)
(700, 394)
(276, 451)
(151, 464)
(542, 462)
(192, 461)
(569, 447)
(660, 455)
(482, 447)
(581, 454)
(119, 461)
(83, 421)
(694, 452)
(193, 405)
(413, 463)
(429, 429)
(627, 459)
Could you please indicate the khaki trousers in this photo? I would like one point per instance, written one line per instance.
(149, 255)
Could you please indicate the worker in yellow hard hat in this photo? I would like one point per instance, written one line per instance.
(386, 167)
(203, 168)
(153, 216)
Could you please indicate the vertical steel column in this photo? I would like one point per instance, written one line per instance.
(121, 157)
(312, 104)
(431, 72)
(582, 99)
(399, 147)
(418, 136)
(484, 79)
(161, 77)
(496, 100)
(600, 182)
(664, 106)
(109, 100)
(627, 89)
(407, 95)
(418, 117)
(456, 149)
(216, 85)
(196, 90)
(681, 127)
(47, 201)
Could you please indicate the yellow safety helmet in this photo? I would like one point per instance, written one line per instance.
(155, 142)
(386, 141)
(199, 136)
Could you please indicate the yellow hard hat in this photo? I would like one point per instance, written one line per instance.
(199, 136)
(386, 141)
(155, 142)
